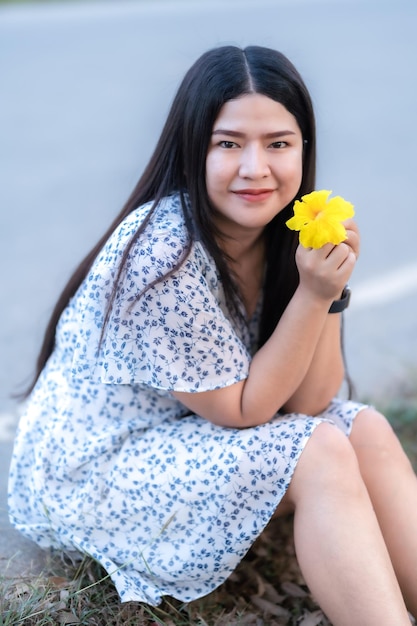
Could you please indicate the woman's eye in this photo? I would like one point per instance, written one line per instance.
(227, 144)
(279, 144)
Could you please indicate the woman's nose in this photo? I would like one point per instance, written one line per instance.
(254, 162)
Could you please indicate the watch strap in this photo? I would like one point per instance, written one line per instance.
(340, 305)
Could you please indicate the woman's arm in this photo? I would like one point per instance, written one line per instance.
(304, 347)
(275, 373)
(326, 372)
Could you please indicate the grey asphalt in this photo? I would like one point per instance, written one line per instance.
(84, 91)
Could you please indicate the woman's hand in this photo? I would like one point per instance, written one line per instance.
(325, 271)
(353, 236)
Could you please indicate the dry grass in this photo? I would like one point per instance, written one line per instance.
(267, 588)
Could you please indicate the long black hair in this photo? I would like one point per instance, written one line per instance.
(178, 165)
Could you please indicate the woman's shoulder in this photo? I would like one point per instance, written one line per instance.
(163, 240)
(158, 226)
(166, 235)
(167, 216)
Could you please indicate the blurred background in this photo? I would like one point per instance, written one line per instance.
(84, 91)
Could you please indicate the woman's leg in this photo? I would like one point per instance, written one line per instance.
(392, 487)
(339, 545)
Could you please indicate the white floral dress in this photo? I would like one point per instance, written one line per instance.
(108, 462)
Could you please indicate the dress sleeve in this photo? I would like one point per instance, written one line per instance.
(176, 336)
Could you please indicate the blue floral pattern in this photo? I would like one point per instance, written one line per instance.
(108, 462)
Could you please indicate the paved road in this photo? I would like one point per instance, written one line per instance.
(84, 92)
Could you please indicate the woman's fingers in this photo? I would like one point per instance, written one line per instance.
(353, 236)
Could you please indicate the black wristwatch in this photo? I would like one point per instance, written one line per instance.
(340, 305)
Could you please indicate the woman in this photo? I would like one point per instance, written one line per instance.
(185, 390)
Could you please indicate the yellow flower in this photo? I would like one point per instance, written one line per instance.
(319, 220)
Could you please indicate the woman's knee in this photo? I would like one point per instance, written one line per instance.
(374, 439)
(370, 425)
(328, 462)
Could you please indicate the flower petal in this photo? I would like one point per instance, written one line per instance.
(339, 209)
(316, 199)
(297, 222)
(319, 220)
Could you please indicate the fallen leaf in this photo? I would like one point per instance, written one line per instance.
(66, 618)
(293, 590)
(269, 607)
(312, 619)
(18, 590)
(59, 582)
(272, 594)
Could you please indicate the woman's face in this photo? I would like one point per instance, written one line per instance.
(254, 163)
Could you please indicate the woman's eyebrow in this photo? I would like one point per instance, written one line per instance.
(236, 133)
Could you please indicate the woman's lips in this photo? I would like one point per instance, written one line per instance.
(254, 195)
